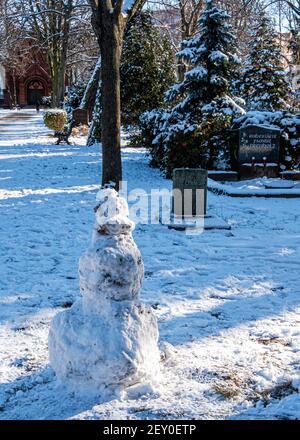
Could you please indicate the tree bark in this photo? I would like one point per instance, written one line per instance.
(109, 22)
(112, 27)
(58, 71)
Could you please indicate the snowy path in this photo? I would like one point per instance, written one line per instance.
(20, 124)
(227, 302)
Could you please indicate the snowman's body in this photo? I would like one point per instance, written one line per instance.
(108, 338)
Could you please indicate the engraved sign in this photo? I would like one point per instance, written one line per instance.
(259, 144)
(189, 192)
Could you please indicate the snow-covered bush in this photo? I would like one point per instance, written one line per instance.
(55, 119)
(289, 124)
(151, 126)
(185, 147)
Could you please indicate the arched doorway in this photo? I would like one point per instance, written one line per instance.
(35, 92)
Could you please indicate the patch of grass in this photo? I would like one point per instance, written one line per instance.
(268, 341)
(231, 385)
(226, 390)
(278, 392)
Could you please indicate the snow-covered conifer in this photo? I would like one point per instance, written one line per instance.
(147, 68)
(95, 127)
(265, 83)
(206, 88)
(203, 102)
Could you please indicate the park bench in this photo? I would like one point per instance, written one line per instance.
(63, 136)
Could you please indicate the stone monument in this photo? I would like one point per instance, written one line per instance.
(108, 339)
(258, 152)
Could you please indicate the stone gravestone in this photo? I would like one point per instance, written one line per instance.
(80, 117)
(189, 192)
(189, 207)
(258, 153)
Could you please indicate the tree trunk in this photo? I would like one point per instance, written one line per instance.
(58, 68)
(15, 103)
(59, 60)
(111, 46)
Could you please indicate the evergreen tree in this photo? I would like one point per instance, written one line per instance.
(295, 71)
(74, 97)
(95, 127)
(147, 68)
(204, 103)
(265, 83)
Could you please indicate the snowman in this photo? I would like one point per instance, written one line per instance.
(108, 340)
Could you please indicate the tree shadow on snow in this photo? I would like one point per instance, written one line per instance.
(234, 312)
(40, 396)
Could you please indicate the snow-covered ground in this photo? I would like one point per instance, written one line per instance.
(227, 302)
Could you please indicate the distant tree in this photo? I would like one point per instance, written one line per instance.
(96, 124)
(295, 63)
(49, 26)
(74, 97)
(265, 83)
(14, 54)
(147, 68)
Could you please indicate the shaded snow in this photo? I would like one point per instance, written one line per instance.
(227, 303)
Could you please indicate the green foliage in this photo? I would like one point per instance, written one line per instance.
(147, 68)
(203, 146)
(55, 119)
(265, 84)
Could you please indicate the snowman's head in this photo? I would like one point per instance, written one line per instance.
(112, 213)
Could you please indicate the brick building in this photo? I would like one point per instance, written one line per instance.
(26, 85)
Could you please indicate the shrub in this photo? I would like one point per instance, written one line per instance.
(55, 119)
(179, 145)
